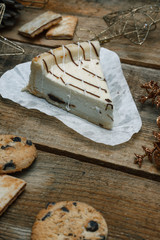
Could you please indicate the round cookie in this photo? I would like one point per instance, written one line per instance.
(16, 153)
(69, 220)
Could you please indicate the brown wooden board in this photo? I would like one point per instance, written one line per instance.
(146, 55)
(94, 8)
(81, 33)
(129, 204)
(72, 167)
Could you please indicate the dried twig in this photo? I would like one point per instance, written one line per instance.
(153, 155)
(153, 91)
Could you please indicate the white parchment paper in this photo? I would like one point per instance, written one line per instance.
(126, 117)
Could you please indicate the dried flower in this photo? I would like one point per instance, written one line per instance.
(158, 121)
(153, 154)
(139, 159)
(157, 158)
(153, 92)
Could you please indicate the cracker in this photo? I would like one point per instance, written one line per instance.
(64, 30)
(10, 188)
(69, 220)
(39, 24)
(16, 153)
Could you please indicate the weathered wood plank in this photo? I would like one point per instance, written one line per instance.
(86, 23)
(92, 8)
(129, 204)
(50, 132)
(146, 55)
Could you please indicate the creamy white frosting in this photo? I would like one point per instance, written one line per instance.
(71, 78)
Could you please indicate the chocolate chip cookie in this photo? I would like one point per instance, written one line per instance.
(69, 220)
(16, 153)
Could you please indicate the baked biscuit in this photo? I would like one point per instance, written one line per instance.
(40, 23)
(16, 153)
(63, 30)
(69, 220)
(10, 188)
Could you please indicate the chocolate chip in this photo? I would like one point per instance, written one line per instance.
(29, 142)
(50, 203)
(92, 226)
(4, 147)
(16, 139)
(46, 216)
(74, 203)
(70, 234)
(9, 165)
(64, 209)
(55, 99)
(108, 100)
(102, 237)
(58, 100)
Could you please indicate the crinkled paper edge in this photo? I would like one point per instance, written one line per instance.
(127, 120)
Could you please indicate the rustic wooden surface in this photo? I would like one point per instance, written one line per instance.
(129, 204)
(90, 18)
(72, 167)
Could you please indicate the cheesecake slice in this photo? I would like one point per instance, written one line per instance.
(70, 77)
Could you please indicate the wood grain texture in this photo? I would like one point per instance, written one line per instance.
(92, 8)
(51, 135)
(72, 167)
(129, 204)
(90, 18)
(86, 23)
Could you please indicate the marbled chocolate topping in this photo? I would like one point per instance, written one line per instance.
(70, 83)
(56, 99)
(70, 54)
(84, 56)
(74, 76)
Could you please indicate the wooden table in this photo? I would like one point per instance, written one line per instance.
(72, 167)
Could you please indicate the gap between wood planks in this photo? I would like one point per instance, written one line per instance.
(136, 172)
(139, 64)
